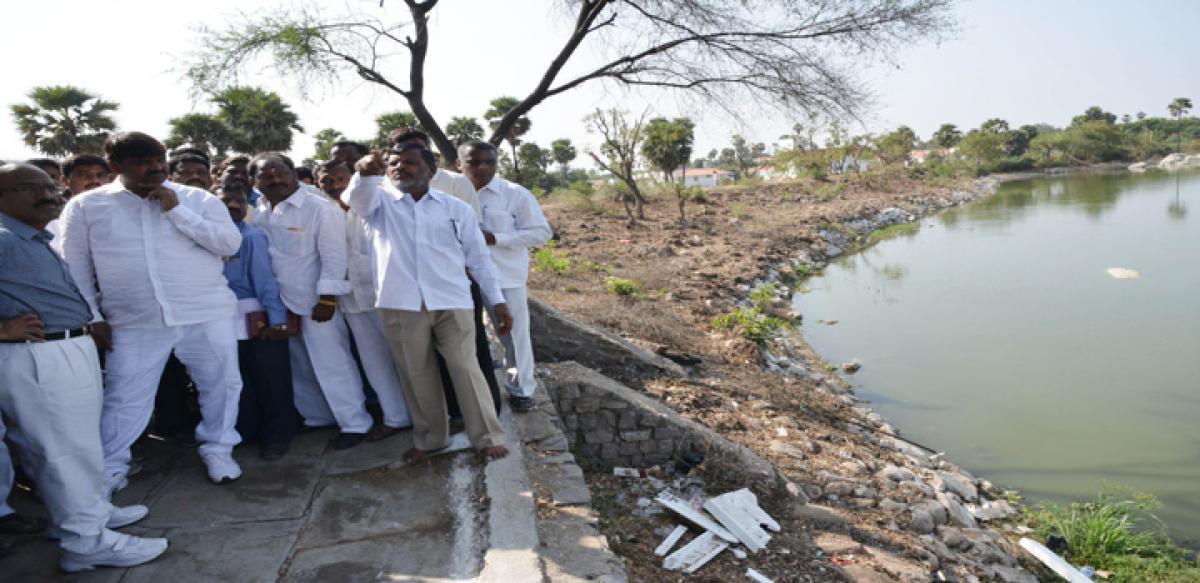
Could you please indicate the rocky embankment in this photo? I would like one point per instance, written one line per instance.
(870, 505)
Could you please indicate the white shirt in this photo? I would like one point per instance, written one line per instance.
(512, 214)
(422, 247)
(306, 235)
(361, 267)
(459, 187)
(138, 267)
(55, 228)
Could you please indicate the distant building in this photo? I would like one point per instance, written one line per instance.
(706, 177)
(920, 156)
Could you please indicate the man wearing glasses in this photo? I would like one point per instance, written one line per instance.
(147, 257)
(50, 386)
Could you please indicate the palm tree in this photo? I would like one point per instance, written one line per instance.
(64, 120)
(259, 119)
(202, 131)
(563, 152)
(463, 129)
(1177, 108)
(499, 107)
(386, 122)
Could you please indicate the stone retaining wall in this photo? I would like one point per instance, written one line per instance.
(610, 424)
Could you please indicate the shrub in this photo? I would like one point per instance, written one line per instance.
(623, 287)
(1108, 533)
(752, 323)
(763, 294)
(549, 260)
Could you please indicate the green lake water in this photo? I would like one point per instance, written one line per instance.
(996, 334)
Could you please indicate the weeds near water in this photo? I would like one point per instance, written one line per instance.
(1117, 532)
(751, 323)
(892, 232)
(763, 294)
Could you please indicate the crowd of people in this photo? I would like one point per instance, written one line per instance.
(240, 302)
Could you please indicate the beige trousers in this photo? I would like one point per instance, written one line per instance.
(413, 337)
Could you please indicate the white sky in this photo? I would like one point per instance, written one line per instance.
(1023, 60)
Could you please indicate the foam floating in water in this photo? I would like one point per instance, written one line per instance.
(1123, 273)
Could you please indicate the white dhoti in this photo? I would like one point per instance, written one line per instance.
(132, 371)
(518, 348)
(377, 362)
(325, 379)
(50, 394)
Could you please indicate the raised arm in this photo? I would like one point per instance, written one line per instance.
(363, 192)
(211, 228)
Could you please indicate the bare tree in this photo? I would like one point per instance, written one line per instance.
(797, 54)
(621, 137)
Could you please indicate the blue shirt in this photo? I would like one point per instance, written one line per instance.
(34, 279)
(250, 275)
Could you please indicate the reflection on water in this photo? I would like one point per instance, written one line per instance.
(996, 334)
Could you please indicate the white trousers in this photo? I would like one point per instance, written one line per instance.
(132, 371)
(518, 348)
(325, 379)
(51, 397)
(6, 474)
(377, 362)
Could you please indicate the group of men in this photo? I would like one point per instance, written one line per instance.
(269, 292)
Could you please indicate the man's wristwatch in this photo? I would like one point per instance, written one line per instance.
(280, 327)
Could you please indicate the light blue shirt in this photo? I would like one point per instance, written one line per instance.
(250, 275)
(34, 279)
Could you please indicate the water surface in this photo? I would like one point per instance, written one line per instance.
(996, 334)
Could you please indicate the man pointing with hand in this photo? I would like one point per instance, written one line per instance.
(425, 243)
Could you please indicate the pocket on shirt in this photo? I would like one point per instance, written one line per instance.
(293, 241)
(446, 233)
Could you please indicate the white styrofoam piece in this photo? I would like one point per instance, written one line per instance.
(756, 576)
(739, 512)
(695, 554)
(1055, 562)
(670, 541)
(685, 510)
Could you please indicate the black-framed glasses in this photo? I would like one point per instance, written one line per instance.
(34, 188)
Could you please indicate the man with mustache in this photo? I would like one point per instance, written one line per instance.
(306, 233)
(83, 172)
(425, 243)
(147, 256)
(191, 170)
(265, 414)
(50, 385)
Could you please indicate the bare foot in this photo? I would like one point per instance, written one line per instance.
(491, 454)
(415, 455)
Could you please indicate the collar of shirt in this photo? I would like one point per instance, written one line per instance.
(496, 185)
(24, 230)
(296, 199)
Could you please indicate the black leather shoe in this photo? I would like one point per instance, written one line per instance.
(521, 404)
(348, 440)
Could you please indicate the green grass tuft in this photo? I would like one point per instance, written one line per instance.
(751, 323)
(623, 287)
(900, 230)
(549, 260)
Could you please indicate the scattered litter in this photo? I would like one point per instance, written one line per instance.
(1123, 273)
(1053, 561)
(685, 510)
(670, 541)
(756, 576)
(738, 554)
(629, 472)
(781, 432)
(842, 560)
(695, 554)
(739, 512)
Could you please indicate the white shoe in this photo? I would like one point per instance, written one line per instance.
(221, 467)
(113, 483)
(120, 518)
(128, 551)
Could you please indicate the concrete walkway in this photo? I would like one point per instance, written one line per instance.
(322, 515)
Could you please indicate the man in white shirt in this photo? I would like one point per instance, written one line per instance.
(147, 257)
(512, 223)
(358, 308)
(425, 241)
(306, 232)
(459, 187)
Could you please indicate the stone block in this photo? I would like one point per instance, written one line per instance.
(571, 422)
(642, 435)
(666, 446)
(606, 420)
(589, 450)
(251, 552)
(627, 420)
(628, 448)
(609, 451)
(281, 490)
(588, 421)
(647, 447)
(615, 404)
(568, 391)
(667, 431)
(598, 436)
